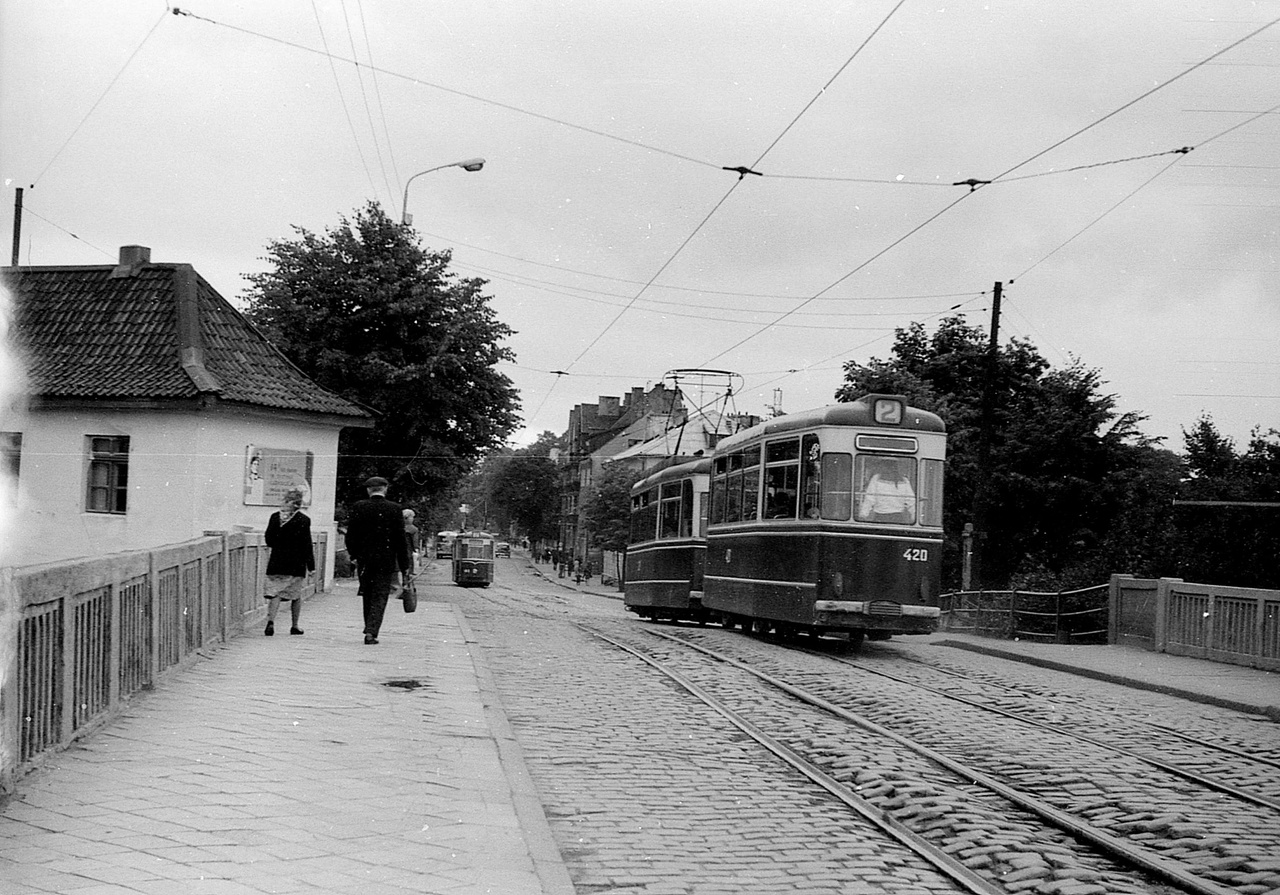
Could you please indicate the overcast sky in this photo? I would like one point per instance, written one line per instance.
(615, 244)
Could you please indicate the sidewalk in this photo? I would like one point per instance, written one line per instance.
(292, 764)
(1199, 680)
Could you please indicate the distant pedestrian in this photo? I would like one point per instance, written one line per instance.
(378, 546)
(411, 540)
(292, 560)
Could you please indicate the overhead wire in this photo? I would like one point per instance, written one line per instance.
(100, 98)
(364, 96)
(742, 172)
(337, 82)
(1181, 153)
(377, 92)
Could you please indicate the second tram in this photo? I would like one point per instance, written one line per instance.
(668, 547)
(473, 559)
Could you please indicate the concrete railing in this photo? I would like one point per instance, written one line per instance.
(89, 633)
(1240, 625)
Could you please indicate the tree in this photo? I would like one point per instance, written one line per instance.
(1228, 531)
(607, 509)
(368, 314)
(1051, 459)
(526, 485)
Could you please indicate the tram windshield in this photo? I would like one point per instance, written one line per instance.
(886, 489)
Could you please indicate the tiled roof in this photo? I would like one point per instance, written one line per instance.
(85, 334)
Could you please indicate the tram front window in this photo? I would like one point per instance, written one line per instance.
(886, 489)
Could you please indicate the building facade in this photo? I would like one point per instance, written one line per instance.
(153, 412)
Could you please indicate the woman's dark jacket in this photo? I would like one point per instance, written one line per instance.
(290, 544)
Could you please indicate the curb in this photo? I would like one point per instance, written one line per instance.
(548, 862)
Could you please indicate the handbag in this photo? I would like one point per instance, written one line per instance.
(409, 595)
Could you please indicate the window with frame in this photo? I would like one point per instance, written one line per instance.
(719, 482)
(886, 489)
(781, 478)
(810, 477)
(108, 479)
(931, 492)
(669, 515)
(837, 486)
(11, 453)
(643, 516)
(751, 484)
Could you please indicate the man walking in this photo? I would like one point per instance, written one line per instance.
(377, 545)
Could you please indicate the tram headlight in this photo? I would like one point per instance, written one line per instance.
(837, 584)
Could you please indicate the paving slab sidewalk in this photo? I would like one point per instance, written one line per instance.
(292, 764)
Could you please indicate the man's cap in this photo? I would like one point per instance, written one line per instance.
(376, 481)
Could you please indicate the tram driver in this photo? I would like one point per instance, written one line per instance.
(888, 496)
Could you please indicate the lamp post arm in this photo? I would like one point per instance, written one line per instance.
(404, 207)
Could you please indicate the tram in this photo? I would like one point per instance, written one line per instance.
(830, 520)
(667, 549)
(825, 521)
(444, 543)
(473, 559)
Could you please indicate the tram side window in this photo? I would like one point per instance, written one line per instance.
(886, 489)
(733, 496)
(686, 509)
(931, 492)
(642, 517)
(704, 509)
(718, 487)
(810, 477)
(782, 478)
(669, 518)
(837, 486)
(751, 484)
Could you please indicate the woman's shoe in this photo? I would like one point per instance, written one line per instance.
(295, 630)
(270, 629)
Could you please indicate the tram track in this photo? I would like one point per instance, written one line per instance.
(1072, 830)
(1163, 845)
(1233, 789)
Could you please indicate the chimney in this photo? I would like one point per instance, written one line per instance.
(608, 406)
(132, 260)
(186, 298)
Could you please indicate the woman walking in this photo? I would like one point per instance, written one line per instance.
(292, 559)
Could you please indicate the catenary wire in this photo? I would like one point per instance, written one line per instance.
(99, 100)
(364, 96)
(1005, 174)
(337, 83)
(377, 92)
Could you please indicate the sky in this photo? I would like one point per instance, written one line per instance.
(615, 242)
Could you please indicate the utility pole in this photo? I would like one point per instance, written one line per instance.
(981, 502)
(17, 225)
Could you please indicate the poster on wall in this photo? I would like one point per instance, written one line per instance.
(270, 473)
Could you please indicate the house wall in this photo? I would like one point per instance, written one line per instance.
(186, 477)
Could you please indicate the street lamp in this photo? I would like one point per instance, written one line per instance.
(470, 164)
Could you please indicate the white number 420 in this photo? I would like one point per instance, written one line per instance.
(916, 554)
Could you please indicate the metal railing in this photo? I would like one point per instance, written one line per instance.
(1072, 616)
(92, 632)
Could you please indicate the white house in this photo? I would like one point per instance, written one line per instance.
(155, 412)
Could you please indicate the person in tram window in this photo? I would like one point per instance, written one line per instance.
(888, 496)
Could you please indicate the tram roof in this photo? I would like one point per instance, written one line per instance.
(701, 466)
(855, 413)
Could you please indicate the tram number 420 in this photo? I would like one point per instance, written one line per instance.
(916, 554)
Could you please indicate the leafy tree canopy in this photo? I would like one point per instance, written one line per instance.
(368, 314)
(1042, 462)
(525, 487)
(607, 508)
(1227, 530)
